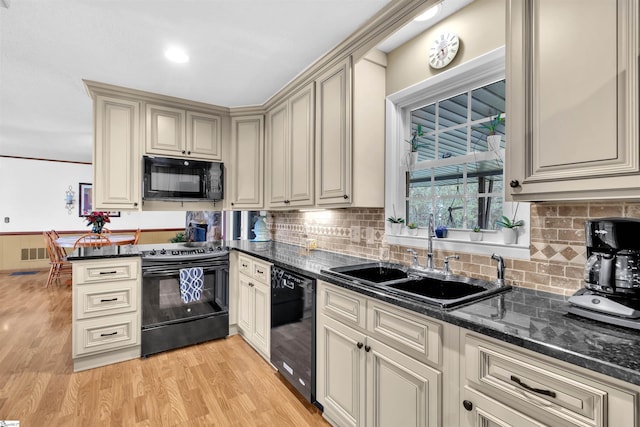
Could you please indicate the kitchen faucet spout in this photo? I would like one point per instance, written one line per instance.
(430, 235)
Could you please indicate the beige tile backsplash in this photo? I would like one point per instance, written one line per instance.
(557, 241)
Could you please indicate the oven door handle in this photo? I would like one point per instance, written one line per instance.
(175, 272)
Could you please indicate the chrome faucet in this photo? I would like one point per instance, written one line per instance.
(445, 267)
(430, 235)
(414, 261)
(500, 277)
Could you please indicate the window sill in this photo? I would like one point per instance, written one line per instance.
(518, 251)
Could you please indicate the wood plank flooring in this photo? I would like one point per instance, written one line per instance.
(219, 383)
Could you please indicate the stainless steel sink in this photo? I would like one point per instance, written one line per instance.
(435, 288)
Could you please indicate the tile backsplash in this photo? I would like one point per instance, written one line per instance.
(557, 241)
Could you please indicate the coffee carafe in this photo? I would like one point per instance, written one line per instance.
(613, 255)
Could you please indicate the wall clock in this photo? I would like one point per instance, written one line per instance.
(443, 50)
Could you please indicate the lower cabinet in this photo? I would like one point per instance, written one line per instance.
(363, 381)
(507, 386)
(106, 312)
(254, 303)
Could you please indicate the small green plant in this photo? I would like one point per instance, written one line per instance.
(412, 225)
(476, 229)
(505, 222)
(493, 123)
(414, 139)
(180, 237)
(395, 220)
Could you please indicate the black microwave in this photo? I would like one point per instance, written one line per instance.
(182, 179)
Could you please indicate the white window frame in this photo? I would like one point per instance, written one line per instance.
(476, 72)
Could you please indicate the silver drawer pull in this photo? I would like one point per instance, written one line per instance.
(109, 300)
(108, 272)
(108, 335)
(533, 389)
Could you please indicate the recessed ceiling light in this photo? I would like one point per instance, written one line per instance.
(175, 54)
(429, 13)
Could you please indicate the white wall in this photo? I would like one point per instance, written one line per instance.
(32, 195)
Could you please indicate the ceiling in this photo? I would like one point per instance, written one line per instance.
(241, 53)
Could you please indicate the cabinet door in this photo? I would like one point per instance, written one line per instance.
(341, 372)
(486, 412)
(400, 390)
(572, 86)
(261, 332)
(333, 136)
(247, 162)
(301, 152)
(165, 130)
(245, 305)
(204, 136)
(278, 154)
(117, 180)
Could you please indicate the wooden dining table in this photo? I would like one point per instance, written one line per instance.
(69, 241)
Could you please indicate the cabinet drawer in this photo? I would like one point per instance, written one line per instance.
(105, 271)
(106, 333)
(262, 272)
(538, 386)
(405, 331)
(99, 300)
(244, 265)
(343, 305)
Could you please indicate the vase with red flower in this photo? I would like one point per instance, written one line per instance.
(97, 220)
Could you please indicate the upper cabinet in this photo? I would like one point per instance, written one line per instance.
(333, 136)
(247, 160)
(178, 132)
(289, 151)
(350, 114)
(572, 100)
(116, 154)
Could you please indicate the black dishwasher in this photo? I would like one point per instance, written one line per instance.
(293, 324)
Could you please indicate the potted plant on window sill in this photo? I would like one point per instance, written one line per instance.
(509, 229)
(412, 229)
(476, 234)
(396, 224)
(493, 140)
(413, 142)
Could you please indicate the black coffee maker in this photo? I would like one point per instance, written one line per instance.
(613, 255)
(611, 274)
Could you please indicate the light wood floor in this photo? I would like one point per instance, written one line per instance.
(219, 383)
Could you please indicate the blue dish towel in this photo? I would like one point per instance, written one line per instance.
(191, 280)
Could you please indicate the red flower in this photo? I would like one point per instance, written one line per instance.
(99, 218)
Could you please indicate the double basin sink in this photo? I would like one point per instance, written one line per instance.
(431, 287)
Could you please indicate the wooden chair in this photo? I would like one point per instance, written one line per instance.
(57, 258)
(92, 240)
(137, 237)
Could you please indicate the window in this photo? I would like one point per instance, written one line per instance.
(457, 175)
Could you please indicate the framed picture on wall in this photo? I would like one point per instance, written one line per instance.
(84, 198)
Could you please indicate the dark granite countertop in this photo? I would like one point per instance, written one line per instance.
(104, 252)
(530, 319)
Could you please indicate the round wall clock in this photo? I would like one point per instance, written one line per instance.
(443, 50)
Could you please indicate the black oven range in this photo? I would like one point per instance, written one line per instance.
(185, 297)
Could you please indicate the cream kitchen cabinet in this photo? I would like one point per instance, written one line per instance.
(116, 152)
(290, 151)
(254, 303)
(572, 100)
(106, 311)
(509, 386)
(176, 132)
(247, 162)
(361, 380)
(350, 115)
